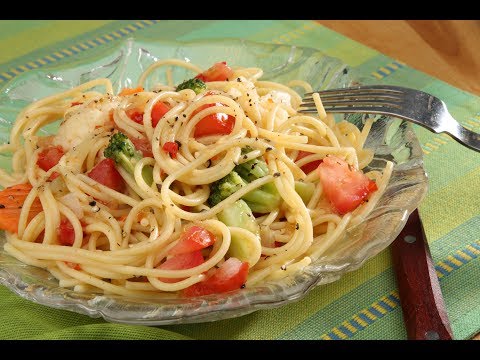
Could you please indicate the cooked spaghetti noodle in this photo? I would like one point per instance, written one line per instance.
(119, 237)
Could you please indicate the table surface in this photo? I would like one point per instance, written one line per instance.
(446, 49)
(442, 49)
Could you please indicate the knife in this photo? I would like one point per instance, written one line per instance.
(423, 308)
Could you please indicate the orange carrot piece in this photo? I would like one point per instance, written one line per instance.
(11, 202)
(130, 91)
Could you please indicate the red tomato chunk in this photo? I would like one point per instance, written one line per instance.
(66, 233)
(192, 239)
(308, 167)
(106, 174)
(181, 262)
(345, 187)
(218, 72)
(171, 148)
(49, 157)
(231, 275)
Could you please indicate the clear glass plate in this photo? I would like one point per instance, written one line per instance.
(123, 62)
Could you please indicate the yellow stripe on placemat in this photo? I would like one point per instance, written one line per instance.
(387, 69)
(74, 49)
(388, 303)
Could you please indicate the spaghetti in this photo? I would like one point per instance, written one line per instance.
(152, 227)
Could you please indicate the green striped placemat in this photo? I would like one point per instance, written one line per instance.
(362, 305)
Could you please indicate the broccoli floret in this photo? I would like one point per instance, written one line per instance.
(225, 187)
(123, 152)
(261, 200)
(195, 84)
(252, 169)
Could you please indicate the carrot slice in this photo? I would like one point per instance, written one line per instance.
(11, 202)
(130, 91)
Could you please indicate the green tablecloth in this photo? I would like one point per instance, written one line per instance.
(362, 305)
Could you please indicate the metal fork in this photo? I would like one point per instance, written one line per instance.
(408, 104)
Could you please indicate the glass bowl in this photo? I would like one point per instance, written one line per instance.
(123, 62)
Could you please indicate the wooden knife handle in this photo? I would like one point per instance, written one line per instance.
(423, 307)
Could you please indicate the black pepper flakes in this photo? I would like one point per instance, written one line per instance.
(283, 267)
(245, 157)
(184, 115)
(297, 226)
(92, 203)
(178, 143)
(277, 174)
(243, 286)
(239, 80)
(269, 149)
(2, 206)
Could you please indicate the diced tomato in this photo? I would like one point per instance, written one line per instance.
(130, 91)
(11, 202)
(171, 148)
(143, 145)
(218, 72)
(66, 233)
(49, 157)
(308, 167)
(192, 239)
(344, 186)
(135, 115)
(75, 103)
(231, 275)
(106, 173)
(158, 110)
(181, 262)
(213, 124)
(72, 265)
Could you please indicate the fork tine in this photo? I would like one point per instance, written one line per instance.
(357, 95)
(356, 89)
(350, 109)
(355, 103)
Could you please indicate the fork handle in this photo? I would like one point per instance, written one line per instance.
(423, 307)
(466, 137)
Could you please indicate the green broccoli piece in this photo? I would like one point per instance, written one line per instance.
(261, 200)
(225, 187)
(252, 169)
(123, 152)
(195, 84)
